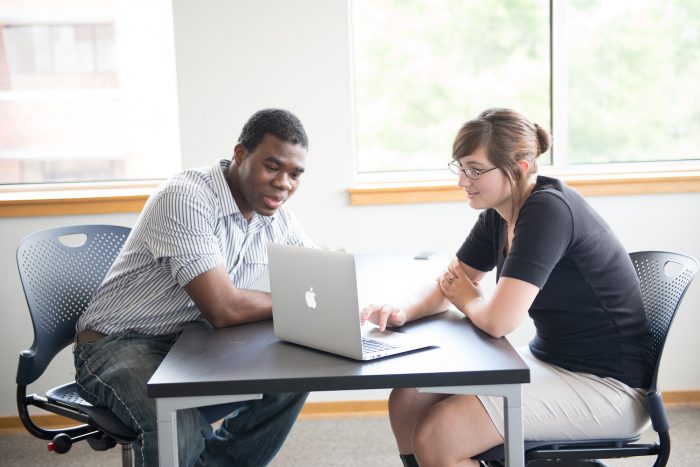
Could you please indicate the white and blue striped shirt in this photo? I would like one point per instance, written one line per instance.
(189, 226)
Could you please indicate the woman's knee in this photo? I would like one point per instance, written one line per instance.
(402, 402)
(398, 397)
(453, 430)
(427, 440)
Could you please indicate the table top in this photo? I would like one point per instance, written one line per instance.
(250, 359)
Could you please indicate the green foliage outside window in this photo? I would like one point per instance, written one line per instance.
(634, 80)
(422, 68)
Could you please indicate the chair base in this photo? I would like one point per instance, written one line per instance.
(567, 463)
(552, 463)
(579, 453)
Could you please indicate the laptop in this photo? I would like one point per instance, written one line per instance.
(315, 304)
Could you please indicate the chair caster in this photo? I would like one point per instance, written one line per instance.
(102, 442)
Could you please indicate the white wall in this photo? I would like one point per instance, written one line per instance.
(235, 57)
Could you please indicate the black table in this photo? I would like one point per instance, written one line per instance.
(208, 366)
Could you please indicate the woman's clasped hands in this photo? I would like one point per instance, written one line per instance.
(457, 287)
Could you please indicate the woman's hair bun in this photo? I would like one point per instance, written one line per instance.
(543, 139)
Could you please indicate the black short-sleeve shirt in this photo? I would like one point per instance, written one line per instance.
(588, 314)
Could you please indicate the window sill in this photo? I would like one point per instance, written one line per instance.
(75, 199)
(601, 184)
(130, 197)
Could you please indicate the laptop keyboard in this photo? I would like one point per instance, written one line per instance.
(374, 345)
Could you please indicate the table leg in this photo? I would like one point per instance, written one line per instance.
(167, 434)
(167, 408)
(513, 422)
(513, 425)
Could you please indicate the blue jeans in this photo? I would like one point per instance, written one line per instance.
(113, 371)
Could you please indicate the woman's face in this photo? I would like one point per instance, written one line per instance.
(491, 190)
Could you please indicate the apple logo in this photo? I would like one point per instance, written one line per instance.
(311, 298)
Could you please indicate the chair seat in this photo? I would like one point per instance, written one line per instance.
(497, 453)
(67, 394)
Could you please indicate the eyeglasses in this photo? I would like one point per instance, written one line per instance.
(474, 174)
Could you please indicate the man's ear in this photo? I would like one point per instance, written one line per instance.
(239, 153)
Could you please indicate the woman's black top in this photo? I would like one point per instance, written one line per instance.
(588, 314)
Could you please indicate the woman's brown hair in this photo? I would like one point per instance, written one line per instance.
(507, 137)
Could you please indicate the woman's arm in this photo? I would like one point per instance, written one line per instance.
(499, 315)
(426, 301)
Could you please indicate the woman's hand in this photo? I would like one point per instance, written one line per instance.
(383, 316)
(457, 287)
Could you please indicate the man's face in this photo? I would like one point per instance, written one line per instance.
(268, 176)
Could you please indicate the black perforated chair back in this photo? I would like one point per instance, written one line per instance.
(664, 278)
(60, 270)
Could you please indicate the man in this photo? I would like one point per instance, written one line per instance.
(195, 250)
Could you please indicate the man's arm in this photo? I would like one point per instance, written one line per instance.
(222, 304)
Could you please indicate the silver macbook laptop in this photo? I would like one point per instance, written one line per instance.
(315, 304)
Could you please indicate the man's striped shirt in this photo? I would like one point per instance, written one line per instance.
(189, 226)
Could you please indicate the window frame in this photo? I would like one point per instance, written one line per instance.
(591, 180)
(371, 189)
(95, 196)
(70, 198)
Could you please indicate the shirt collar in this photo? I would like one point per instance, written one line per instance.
(229, 207)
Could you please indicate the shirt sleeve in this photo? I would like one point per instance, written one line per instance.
(543, 233)
(479, 248)
(179, 234)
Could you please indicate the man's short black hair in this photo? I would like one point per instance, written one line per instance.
(278, 122)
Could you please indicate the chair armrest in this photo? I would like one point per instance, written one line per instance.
(25, 366)
(657, 412)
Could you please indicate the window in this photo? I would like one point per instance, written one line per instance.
(624, 75)
(633, 92)
(86, 95)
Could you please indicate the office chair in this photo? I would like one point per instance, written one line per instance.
(664, 278)
(58, 280)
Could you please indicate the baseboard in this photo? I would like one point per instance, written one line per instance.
(13, 423)
(681, 397)
(314, 410)
(311, 410)
(343, 409)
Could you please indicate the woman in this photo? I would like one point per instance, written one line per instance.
(558, 261)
